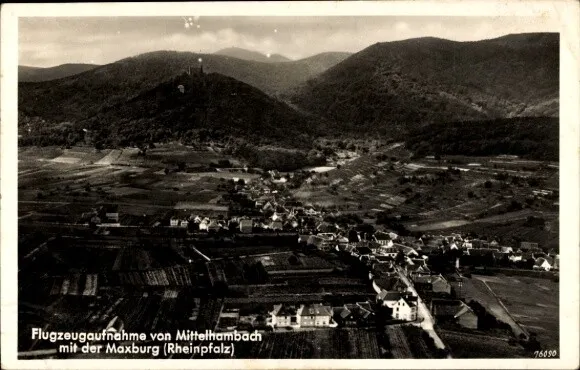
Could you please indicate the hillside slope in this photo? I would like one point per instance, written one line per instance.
(36, 74)
(394, 85)
(211, 107)
(81, 96)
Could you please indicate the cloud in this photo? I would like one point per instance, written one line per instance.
(53, 41)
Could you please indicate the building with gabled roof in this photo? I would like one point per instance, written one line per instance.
(454, 310)
(432, 283)
(317, 315)
(405, 309)
(543, 263)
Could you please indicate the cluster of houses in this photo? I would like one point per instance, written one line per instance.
(297, 316)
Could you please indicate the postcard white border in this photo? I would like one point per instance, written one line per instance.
(563, 14)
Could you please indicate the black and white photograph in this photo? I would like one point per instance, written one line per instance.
(222, 185)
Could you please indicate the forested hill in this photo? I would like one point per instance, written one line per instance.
(529, 137)
(393, 86)
(36, 74)
(192, 108)
(82, 95)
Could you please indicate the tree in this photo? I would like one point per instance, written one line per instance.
(400, 258)
(352, 236)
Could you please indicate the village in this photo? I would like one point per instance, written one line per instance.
(260, 259)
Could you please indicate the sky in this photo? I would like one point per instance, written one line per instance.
(46, 42)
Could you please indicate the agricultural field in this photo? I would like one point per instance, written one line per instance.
(477, 290)
(348, 343)
(391, 181)
(465, 345)
(59, 185)
(533, 302)
(399, 345)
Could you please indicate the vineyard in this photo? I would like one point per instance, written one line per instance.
(400, 348)
(478, 346)
(326, 343)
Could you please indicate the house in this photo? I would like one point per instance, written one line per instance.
(354, 314)
(324, 242)
(405, 308)
(388, 251)
(432, 283)
(315, 315)
(417, 269)
(285, 315)
(388, 298)
(528, 246)
(246, 226)
(268, 206)
(184, 223)
(277, 225)
(383, 238)
(389, 283)
(342, 242)
(255, 316)
(277, 216)
(456, 311)
(327, 227)
(543, 264)
(408, 251)
(506, 249)
(213, 225)
(515, 257)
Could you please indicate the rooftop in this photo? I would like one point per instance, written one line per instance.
(316, 310)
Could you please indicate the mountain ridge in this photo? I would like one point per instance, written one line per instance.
(431, 79)
(246, 54)
(38, 74)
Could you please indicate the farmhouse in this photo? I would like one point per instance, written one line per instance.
(454, 310)
(432, 284)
